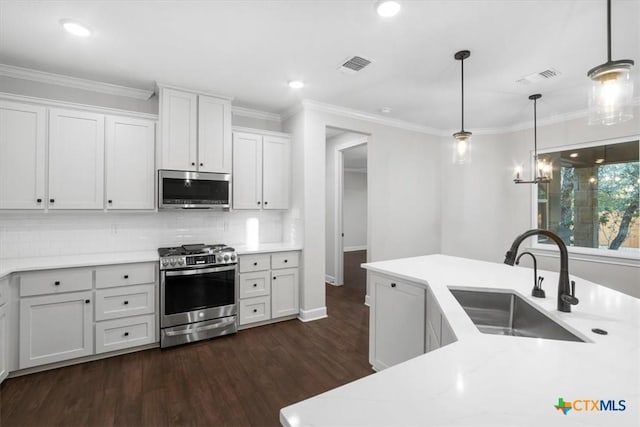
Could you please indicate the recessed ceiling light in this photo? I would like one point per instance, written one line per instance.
(598, 161)
(75, 28)
(296, 84)
(388, 9)
(573, 155)
(385, 110)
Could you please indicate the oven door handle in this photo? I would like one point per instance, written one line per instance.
(199, 271)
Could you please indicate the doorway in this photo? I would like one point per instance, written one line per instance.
(346, 201)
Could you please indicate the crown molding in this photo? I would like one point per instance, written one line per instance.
(73, 105)
(356, 170)
(162, 85)
(369, 117)
(260, 131)
(255, 114)
(74, 82)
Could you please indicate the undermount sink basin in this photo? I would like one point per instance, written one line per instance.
(505, 313)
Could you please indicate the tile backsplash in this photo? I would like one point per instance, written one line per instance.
(68, 233)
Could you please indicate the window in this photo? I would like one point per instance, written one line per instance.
(592, 201)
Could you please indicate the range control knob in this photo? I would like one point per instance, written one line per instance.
(165, 262)
(233, 257)
(226, 257)
(219, 258)
(180, 261)
(172, 261)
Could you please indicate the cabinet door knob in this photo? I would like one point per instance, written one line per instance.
(126, 303)
(39, 200)
(255, 285)
(201, 164)
(285, 261)
(274, 277)
(255, 263)
(255, 310)
(126, 334)
(393, 285)
(193, 163)
(258, 202)
(52, 200)
(110, 201)
(87, 301)
(57, 283)
(126, 276)
(266, 203)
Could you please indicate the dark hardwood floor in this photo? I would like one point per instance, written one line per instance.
(239, 380)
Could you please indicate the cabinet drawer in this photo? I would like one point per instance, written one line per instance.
(254, 284)
(55, 281)
(254, 263)
(125, 274)
(126, 301)
(255, 310)
(124, 333)
(284, 260)
(4, 290)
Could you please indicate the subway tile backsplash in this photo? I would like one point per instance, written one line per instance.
(68, 233)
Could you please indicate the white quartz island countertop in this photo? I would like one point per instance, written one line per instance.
(491, 380)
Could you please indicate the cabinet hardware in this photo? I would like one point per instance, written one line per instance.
(39, 200)
(258, 202)
(126, 276)
(255, 285)
(193, 163)
(265, 203)
(110, 201)
(126, 303)
(126, 334)
(255, 263)
(274, 277)
(255, 310)
(57, 283)
(52, 200)
(393, 285)
(201, 164)
(285, 260)
(87, 301)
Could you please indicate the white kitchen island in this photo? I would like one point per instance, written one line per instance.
(493, 380)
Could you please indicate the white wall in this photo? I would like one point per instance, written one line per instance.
(483, 210)
(354, 210)
(404, 187)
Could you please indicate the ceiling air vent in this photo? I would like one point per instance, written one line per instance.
(353, 64)
(539, 77)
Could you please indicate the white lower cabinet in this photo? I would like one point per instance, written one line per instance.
(268, 290)
(4, 343)
(114, 303)
(439, 332)
(55, 328)
(397, 321)
(124, 333)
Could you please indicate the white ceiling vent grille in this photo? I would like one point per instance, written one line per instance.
(547, 74)
(353, 64)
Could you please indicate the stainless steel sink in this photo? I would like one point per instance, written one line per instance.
(501, 313)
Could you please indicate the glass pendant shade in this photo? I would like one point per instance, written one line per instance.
(544, 171)
(611, 94)
(461, 148)
(542, 168)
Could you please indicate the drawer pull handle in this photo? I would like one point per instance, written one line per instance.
(255, 263)
(126, 303)
(87, 301)
(201, 164)
(52, 200)
(126, 276)
(393, 285)
(258, 202)
(193, 163)
(39, 200)
(110, 201)
(57, 283)
(255, 285)
(286, 261)
(126, 334)
(274, 277)
(266, 203)
(255, 310)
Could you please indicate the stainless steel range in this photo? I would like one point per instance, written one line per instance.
(197, 293)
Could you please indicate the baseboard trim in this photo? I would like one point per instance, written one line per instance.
(330, 279)
(355, 248)
(366, 301)
(311, 315)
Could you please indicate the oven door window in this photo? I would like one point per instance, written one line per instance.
(184, 293)
(194, 191)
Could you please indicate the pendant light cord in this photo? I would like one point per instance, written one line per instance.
(462, 85)
(608, 30)
(535, 133)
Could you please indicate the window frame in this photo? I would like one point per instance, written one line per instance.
(583, 253)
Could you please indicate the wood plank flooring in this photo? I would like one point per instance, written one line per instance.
(240, 380)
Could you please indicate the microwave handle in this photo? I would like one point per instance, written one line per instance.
(199, 271)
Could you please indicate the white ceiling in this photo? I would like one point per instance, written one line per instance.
(250, 49)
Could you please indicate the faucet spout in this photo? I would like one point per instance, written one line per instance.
(564, 291)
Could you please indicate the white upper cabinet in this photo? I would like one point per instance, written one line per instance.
(214, 135)
(130, 171)
(276, 173)
(261, 171)
(22, 156)
(247, 171)
(178, 121)
(76, 160)
(195, 131)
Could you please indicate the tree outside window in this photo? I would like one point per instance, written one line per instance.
(593, 201)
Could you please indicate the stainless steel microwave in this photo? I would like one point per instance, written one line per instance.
(193, 190)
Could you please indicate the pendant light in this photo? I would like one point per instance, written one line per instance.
(611, 87)
(462, 141)
(543, 170)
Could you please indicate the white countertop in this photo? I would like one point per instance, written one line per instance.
(14, 265)
(496, 380)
